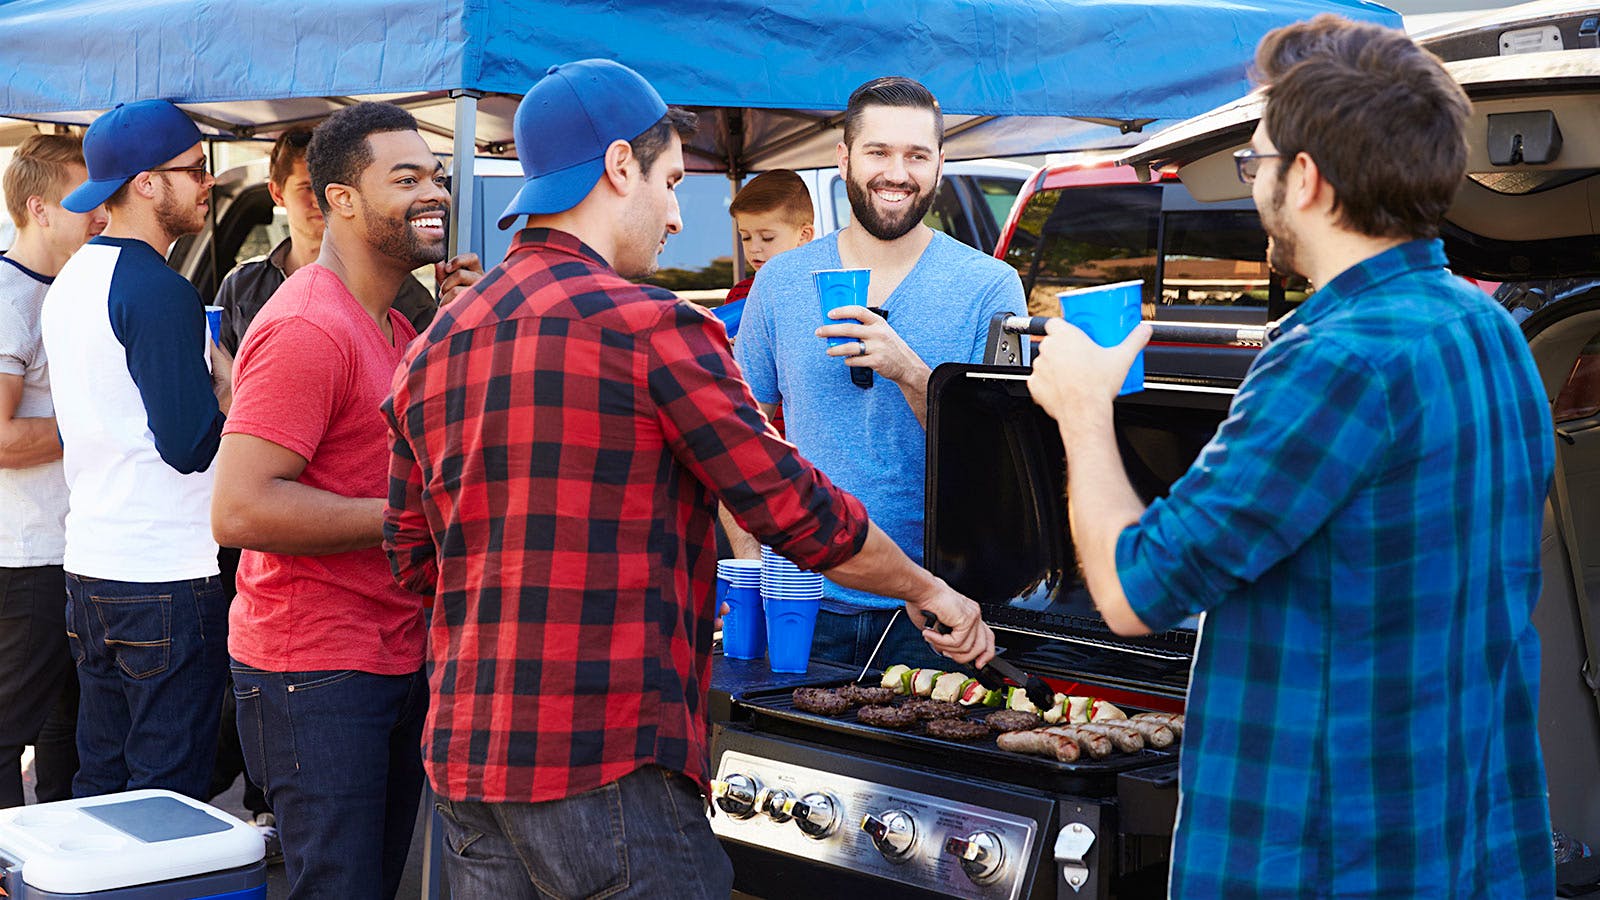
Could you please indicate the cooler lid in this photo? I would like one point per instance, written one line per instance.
(996, 523)
(120, 840)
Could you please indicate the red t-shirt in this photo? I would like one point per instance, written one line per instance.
(310, 376)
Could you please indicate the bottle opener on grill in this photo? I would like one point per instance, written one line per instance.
(993, 675)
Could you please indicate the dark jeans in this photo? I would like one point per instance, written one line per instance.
(846, 634)
(152, 660)
(339, 754)
(230, 756)
(38, 693)
(645, 835)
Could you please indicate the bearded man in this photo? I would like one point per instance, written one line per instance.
(320, 634)
(941, 294)
(1362, 533)
(140, 395)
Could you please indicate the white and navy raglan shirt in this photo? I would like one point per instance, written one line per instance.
(130, 375)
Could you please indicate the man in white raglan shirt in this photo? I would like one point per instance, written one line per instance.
(140, 394)
(38, 691)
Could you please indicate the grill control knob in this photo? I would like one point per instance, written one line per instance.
(772, 803)
(737, 796)
(817, 815)
(893, 834)
(981, 855)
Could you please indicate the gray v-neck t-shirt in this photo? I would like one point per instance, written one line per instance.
(32, 532)
(868, 440)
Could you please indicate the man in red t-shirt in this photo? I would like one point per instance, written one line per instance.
(327, 649)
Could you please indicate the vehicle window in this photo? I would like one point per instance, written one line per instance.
(998, 194)
(1083, 237)
(1217, 258)
(700, 257)
(945, 215)
(260, 239)
(1580, 395)
(841, 203)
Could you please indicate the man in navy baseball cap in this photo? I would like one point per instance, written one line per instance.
(564, 125)
(132, 138)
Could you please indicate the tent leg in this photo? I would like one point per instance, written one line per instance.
(738, 248)
(462, 195)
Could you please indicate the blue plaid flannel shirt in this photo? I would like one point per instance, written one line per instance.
(1363, 537)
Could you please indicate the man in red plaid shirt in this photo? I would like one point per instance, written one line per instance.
(561, 440)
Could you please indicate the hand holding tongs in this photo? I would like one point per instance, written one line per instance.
(993, 674)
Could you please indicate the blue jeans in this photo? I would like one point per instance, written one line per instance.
(152, 661)
(339, 754)
(846, 634)
(645, 835)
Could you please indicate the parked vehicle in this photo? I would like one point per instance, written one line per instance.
(1525, 215)
(1090, 221)
(698, 263)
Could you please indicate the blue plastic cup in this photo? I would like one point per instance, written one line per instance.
(1108, 314)
(744, 628)
(790, 624)
(840, 287)
(214, 319)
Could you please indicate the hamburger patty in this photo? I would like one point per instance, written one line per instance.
(935, 709)
(887, 716)
(1013, 720)
(867, 695)
(820, 700)
(957, 729)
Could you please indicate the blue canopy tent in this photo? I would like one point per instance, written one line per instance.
(768, 76)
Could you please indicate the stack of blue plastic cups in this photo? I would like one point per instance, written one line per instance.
(744, 628)
(792, 598)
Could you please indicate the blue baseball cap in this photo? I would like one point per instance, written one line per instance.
(125, 141)
(565, 123)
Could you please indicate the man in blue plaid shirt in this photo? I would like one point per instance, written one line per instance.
(1363, 531)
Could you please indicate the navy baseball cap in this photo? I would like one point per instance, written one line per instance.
(125, 141)
(565, 123)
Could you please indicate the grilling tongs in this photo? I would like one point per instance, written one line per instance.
(993, 675)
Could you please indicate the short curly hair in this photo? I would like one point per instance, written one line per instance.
(339, 150)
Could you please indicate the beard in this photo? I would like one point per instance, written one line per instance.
(177, 218)
(395, 238)
(639, 249)
(887, 226)
(1281, 240)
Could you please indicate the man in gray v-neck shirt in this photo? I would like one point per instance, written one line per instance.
(871, 441)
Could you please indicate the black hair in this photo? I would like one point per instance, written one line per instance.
(339, 151)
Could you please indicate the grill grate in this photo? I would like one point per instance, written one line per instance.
(777, 705)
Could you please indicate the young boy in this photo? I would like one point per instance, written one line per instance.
(773, 214)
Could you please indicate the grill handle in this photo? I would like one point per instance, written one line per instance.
(1007, 347)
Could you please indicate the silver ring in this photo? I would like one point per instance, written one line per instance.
(863, 350)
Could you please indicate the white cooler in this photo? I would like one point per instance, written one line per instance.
(139, 845)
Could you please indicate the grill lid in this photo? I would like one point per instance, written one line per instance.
(996, 523)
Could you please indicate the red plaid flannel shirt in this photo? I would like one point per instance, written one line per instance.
(560, 437)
